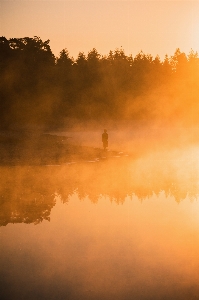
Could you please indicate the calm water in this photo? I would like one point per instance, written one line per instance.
(119, 229)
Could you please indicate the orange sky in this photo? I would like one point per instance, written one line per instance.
(156, 27)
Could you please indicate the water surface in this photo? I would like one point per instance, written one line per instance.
(122, 228)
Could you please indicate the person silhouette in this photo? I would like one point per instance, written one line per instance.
(105, 139)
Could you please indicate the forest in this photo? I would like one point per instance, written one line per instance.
(39, 90)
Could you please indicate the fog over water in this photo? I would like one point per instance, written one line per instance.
(79, 222)
(124, 227)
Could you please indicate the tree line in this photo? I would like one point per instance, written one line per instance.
(39, 89)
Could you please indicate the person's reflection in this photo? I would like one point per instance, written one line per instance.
(105, 139)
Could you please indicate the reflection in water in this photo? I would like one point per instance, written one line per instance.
(28, 193)
(144, 248)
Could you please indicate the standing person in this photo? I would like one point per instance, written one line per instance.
(105, 139)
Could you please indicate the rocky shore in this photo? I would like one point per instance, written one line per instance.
(46, 149)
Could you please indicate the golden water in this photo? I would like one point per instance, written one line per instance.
(119, 229)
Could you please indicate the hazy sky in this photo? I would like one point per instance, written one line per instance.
(156, 27)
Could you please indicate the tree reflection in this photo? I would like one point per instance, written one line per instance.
(27, 194)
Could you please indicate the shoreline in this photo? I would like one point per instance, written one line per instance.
(47, 149)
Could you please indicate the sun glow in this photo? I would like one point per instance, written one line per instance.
(195, 32)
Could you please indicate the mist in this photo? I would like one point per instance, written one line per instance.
(89, 216)
(39, 90)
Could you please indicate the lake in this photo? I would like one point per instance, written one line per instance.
(122, 228)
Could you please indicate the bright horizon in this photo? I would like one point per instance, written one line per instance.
(155, 27)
